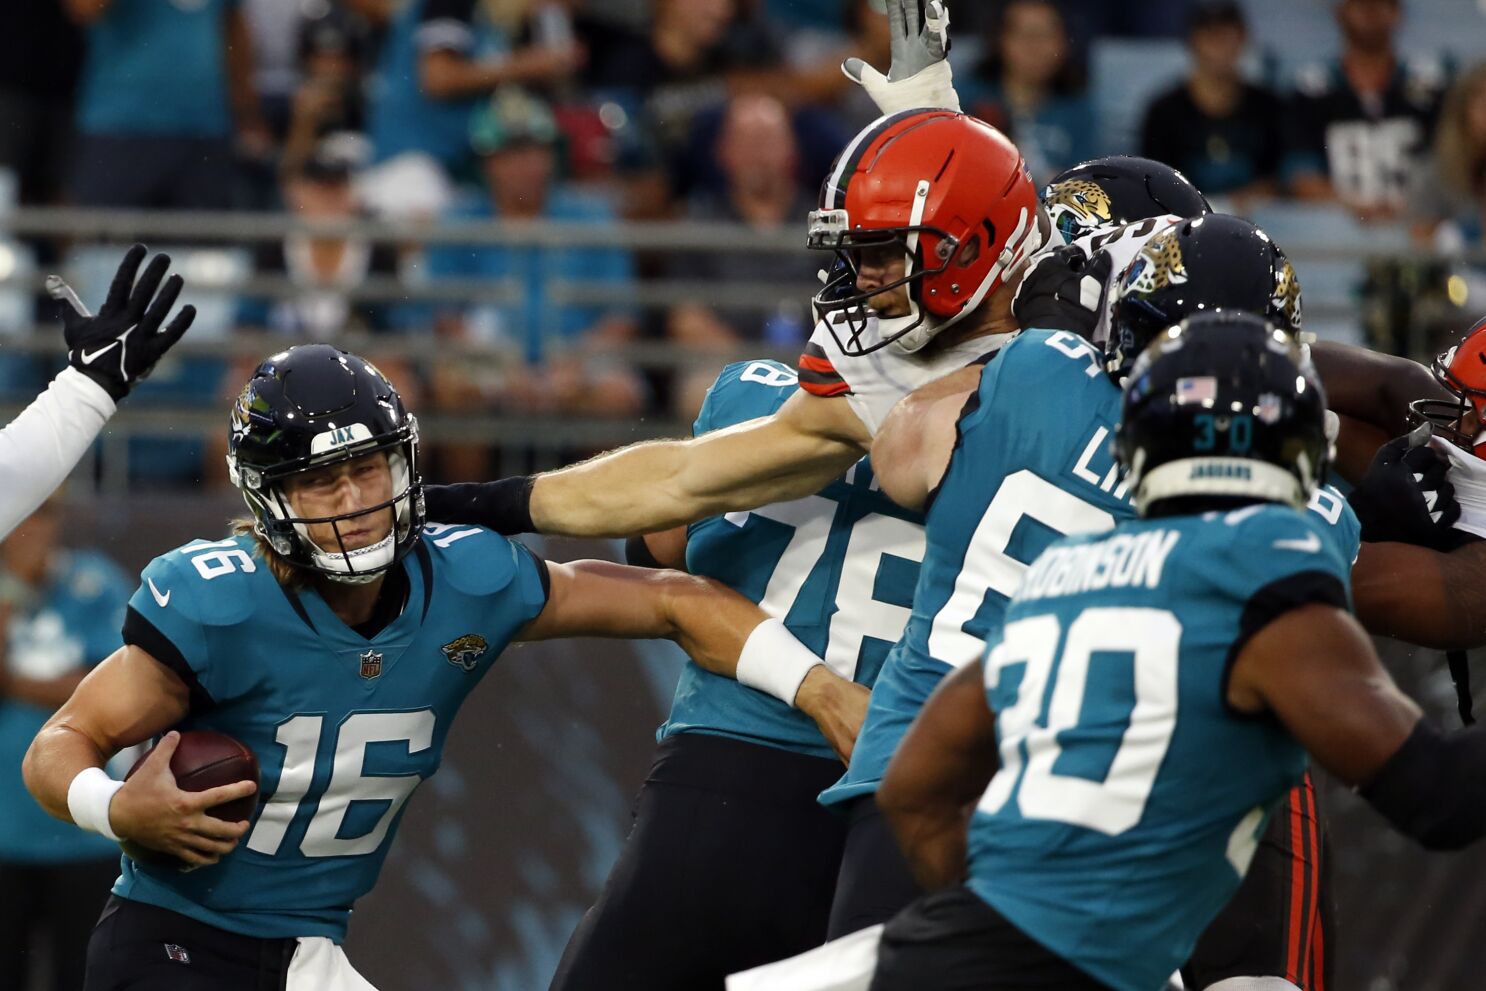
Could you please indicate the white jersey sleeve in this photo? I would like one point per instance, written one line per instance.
(1121, 243)
(872, 383)
(41, 446)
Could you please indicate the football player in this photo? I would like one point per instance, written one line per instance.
(999, 475)
(1428, 596)
(107, 354)
(730, 802)
(1140, 713)
(336, 637)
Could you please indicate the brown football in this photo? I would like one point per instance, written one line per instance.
(203, 759)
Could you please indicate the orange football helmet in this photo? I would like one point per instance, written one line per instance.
(1462, 371)
(950, 190)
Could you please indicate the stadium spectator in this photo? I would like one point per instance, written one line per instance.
(40, 55)
(60, 612)
(321, 270)
(166, 89)
(440, 59)
(757, 153)
(318, 276)
(328, 98)
(1449, 204)
(664, 77)
(1218, 128)
(1030, 87)
(811, 70)
(1358, 128)
(545, 356)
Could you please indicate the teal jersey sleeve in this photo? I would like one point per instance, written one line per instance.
(1340, 526)
(481, 563)
(745, 390)
(171, 613)
(1268, 546)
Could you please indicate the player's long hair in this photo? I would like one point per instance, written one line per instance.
(1460, 152)
(286, 574)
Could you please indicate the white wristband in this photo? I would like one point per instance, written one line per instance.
(88, 798)
(774, 662)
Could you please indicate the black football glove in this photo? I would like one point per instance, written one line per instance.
(1062, 291)
(119, 346)
(1406, 495)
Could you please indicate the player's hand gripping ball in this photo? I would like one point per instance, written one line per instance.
(202, 760)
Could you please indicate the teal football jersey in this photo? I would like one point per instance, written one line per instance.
(1130, 798)
(344, 728)
(1033, 463)
(838, 568)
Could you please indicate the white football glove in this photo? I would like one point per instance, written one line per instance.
(920, 75)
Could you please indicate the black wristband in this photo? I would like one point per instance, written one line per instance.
(1432, 788)
(504, 506)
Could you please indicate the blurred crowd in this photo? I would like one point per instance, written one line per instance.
(440, 113)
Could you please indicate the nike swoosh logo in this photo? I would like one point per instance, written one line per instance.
(1310, 545)
(160, 600)
(88, 359)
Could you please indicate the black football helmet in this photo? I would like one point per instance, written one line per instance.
(311, 406)
(1212, 262)
(1118, 189)
(1224, 405)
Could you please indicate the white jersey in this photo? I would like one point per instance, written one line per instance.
(873, 382)
(1122, 243)
(40, 447)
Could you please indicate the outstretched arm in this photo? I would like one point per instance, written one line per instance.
(718, 628)
(938, 773)
(657, 485)
(912, 450)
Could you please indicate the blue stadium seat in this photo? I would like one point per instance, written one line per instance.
(1125, 74)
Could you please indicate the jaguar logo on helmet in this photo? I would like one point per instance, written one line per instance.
(1286, 298)
(1159, 265)
(1076, 205)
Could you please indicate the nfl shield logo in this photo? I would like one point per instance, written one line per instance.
(371, 664)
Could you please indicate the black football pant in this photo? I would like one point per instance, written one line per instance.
(952, 941)
(50, 908)
(876, 882)
(1279, 924)
(139, 947)
(730, 864)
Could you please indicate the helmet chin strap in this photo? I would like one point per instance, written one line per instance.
(369, 562)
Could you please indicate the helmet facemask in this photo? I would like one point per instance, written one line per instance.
(931, 256)
(1448, 415)
(288, 534)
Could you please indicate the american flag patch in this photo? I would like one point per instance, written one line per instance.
(177, 953)
(1198, 389)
